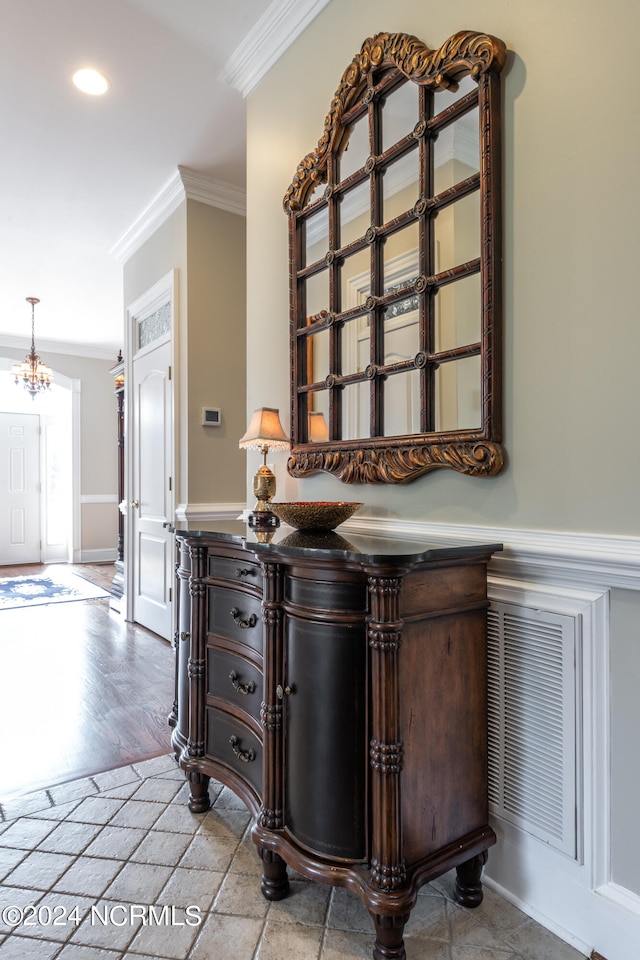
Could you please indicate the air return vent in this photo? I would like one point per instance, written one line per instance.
(533, 698)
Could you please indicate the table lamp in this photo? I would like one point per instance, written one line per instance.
(264, 432)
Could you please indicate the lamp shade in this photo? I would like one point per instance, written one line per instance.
(265, 430)
(318, 430)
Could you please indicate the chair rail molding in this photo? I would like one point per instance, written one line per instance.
(584, 559)
(190, 512)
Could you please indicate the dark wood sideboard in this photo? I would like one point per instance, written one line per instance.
(338, 685)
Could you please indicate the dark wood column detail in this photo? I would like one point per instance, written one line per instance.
(468, 888)
(386, 748)
(271, 712)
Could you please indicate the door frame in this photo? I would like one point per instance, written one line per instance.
(165, 290)
(74, 538)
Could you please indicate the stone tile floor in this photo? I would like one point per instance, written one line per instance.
(116, 866)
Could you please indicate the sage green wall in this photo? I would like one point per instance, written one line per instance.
(206, 246)
(571, 155)
(216, 344)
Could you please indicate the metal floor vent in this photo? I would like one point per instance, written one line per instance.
(533, 701)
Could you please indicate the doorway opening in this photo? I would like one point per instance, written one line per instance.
(51, 452)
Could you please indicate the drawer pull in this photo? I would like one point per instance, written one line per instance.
(241, 687)
(245, 623)
(281, 691)
(245, 755)
(243, 572)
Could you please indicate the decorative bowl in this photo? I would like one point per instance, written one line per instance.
(314, 515)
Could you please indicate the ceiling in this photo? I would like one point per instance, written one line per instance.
(78, 171)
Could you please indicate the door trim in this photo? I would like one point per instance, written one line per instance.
(166, 289)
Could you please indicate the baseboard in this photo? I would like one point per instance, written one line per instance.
(105, 555)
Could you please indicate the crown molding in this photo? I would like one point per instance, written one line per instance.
(58, 346)
(275, 31)
(185, 184)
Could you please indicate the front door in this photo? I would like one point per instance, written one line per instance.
(150, 504)
(19, 488)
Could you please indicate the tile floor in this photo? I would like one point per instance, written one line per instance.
(116, 866)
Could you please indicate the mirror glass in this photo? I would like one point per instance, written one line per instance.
(355, 148)
(396, 307)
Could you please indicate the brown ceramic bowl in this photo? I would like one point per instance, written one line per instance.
(314, 515)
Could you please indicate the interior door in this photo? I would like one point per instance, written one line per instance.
(150, 505)
(19, 488)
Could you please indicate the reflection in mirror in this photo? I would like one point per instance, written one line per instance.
(355, 149)
(317, 236)
(355, 218)
(401, 185)
(355, 344)
(400, 114)
(458, 316)
(318, 356)
(402, 337)
(398, 245)
(402, 403)
(445, 98)
(318, 429)
(356, 410)
(355, 279)
(456, 152)
(401, 331)
(458, 395)
(457, 232)
(315, 294)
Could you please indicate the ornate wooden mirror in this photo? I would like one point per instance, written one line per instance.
(395, 267)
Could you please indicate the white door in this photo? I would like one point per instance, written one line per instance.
(19, 488)
(150, 503)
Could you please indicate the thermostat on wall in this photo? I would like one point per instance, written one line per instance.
(211, 416)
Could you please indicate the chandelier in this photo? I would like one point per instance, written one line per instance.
(35, 375)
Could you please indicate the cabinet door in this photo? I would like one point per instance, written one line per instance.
(326, 753)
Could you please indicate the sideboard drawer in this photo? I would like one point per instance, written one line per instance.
(238, 570)
(231, 742)
(235, 615)
(235, 680)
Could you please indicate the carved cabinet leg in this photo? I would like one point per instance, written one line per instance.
(389, 944)
(275, 880)
(199, 795)
(468, 888)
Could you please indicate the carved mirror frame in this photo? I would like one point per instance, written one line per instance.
(371, 85)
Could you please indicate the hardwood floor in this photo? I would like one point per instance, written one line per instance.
(81, 690)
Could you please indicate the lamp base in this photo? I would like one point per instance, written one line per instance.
(262, 519)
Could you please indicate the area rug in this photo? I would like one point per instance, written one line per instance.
(48, 588)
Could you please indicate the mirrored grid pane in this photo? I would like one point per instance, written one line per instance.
(457, 232)
(315, 291)
(402, 404)
(400, 186)
(355, 411)
(317, 236)
(459, 395)
(401, 256)
(401, 330)
(317, 356)
(458, 314)
(456, 152)
(355, 214)
(355, 279)
(317, 416)
(444, 98)
(356, 148)
(400, 113)
(355, 343)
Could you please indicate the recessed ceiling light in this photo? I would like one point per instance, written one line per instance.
(90, 81)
